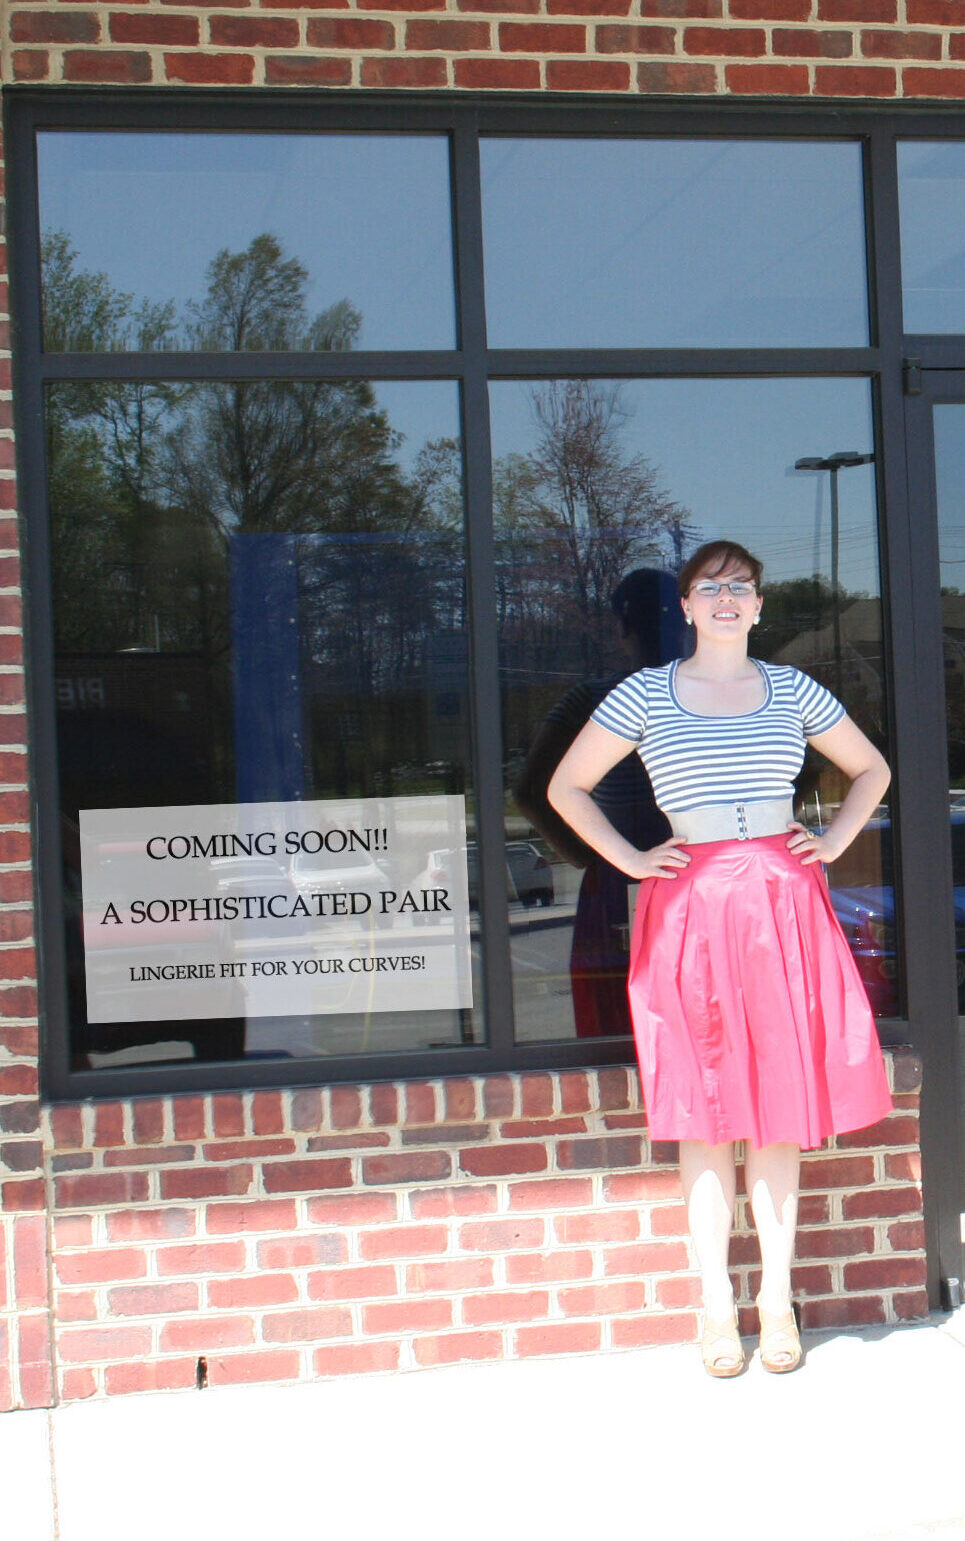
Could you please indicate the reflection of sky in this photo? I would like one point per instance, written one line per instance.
(725, 448)
(931, 184)
(720, 242)
(673, 243)
(421, 410)
(950, 479)
(367, 215)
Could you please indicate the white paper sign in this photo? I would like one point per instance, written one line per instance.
(276, 909)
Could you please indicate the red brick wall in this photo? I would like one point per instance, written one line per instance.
(25, 1377)
(289, 1235)
(829, 48)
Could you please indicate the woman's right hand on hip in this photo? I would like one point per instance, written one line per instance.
(661, 861)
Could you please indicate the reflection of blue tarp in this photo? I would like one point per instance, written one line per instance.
(267, 672)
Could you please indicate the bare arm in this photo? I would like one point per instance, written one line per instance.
(594, 751)
(846, 747)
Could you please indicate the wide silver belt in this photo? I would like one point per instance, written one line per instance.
(733, 821)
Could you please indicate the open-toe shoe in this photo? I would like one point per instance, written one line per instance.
(781, 1349)
(721, 1348)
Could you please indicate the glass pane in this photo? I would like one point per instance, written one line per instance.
(931, 187)
(597, 480)
(323, 241)
(950, 483)
(259, 598)
(673, 243)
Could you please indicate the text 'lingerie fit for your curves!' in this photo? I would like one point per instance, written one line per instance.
(749, 1015)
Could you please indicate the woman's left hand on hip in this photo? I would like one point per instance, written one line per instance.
(810, 847)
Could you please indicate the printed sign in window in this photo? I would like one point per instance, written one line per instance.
(276, 909)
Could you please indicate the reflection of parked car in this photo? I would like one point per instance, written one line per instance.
(343, 872)
(867, 912)
(248, 874)
(531, 873)
(529, 877)
(346, 871)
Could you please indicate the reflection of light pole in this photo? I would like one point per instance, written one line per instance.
(833, 464)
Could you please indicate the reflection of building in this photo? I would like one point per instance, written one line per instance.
(318, 394)
(140, 722)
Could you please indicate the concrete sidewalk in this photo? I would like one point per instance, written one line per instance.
(864, 1443)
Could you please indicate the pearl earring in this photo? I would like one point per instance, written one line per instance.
(690, 620)
(757, 620)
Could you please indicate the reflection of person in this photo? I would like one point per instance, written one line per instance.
(646, 607)
(750, 1019)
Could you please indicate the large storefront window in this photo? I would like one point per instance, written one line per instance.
(346, 427)
(259, 598)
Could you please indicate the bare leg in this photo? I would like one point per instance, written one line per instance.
(710, 1185)
(772, 1180)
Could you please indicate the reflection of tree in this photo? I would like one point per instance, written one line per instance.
(794, 607)
(103, 442)
(152, 484)
(572, 517)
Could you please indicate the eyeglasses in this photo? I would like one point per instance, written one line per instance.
(708, 589)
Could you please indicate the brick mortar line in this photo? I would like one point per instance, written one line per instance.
(156, 52)
(494, 1139)
(399, 21)
(399, 52)
(493, 1126)
(89, 1111)
(299, 1273)
(106, 8)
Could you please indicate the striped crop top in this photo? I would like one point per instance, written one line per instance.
(695, 761)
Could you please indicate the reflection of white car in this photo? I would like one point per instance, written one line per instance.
(529, 877)
(531, 873)
(253, 873)
(348, 872)
(265, 878)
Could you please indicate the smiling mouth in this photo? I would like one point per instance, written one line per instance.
(725, 615)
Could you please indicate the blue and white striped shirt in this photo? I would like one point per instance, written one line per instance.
(695, 761)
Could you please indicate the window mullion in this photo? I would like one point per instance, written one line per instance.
(487, 735)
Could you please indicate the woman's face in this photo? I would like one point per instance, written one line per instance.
(716, 610)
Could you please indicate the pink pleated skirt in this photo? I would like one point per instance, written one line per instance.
(750, 1018)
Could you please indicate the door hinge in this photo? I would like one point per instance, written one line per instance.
(912, 375)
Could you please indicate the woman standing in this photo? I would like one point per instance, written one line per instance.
(750, 1019)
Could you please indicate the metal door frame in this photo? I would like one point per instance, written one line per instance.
(930, 946)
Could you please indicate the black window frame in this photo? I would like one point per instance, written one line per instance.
(471, 364)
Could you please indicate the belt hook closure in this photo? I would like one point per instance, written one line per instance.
(741, 821)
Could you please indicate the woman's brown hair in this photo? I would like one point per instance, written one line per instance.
(714, 557)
